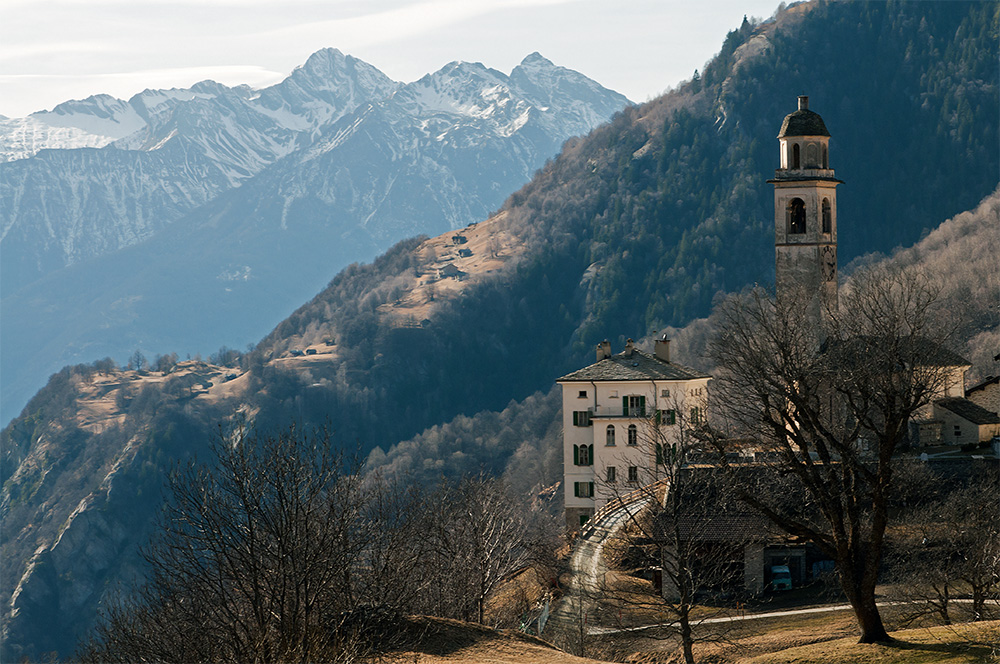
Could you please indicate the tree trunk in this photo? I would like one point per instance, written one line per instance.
(978, 602)
(686, 639)
(867, 614)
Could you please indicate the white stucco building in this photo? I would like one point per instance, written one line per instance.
(609, 410)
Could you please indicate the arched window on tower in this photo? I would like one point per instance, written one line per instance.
(796, 215)
(795, 155)
(827, 216)
(812, 156)
(826, 162)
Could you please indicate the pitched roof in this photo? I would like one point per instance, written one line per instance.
(722, 527)
(918, 350)
(633, 365)
(968, 410)
(990, 380)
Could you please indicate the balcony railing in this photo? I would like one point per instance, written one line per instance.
(616, 411)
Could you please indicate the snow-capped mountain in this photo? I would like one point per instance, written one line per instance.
(328, 85)
(438, 153)
(227, 206)
(165, 152)
(89, 123)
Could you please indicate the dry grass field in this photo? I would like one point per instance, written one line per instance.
(809, 640)
(970, 643)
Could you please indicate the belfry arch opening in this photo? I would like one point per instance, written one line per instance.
(812, 156)
(795, 213)
(795, 155)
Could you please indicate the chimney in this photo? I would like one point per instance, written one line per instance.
(803, 102)
(603, 350)
(629, 347)
(661, 348)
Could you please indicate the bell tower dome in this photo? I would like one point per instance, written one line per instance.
(805, 214)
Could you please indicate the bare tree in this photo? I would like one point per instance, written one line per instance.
(476, 534)
(689, 529)
(257, 561)
(137, 361)
(494, 246)
(828, 414)
(165, 363)
(979, 541)
(948, 548)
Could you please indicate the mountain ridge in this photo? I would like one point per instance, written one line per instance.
(381, 170)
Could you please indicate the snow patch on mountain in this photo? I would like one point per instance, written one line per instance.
(89, 123)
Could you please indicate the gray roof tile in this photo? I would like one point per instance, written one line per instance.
(969, 411)
(633, 365)
(803, 123)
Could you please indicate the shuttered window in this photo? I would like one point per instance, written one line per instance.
(666, 417)
(634, 406)
(583, 455)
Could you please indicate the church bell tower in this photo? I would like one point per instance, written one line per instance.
(805, 215)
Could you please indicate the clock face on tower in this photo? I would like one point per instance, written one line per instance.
(828, 262)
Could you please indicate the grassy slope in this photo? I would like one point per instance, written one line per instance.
(957, 644)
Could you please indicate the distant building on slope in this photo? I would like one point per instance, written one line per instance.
(609, 409)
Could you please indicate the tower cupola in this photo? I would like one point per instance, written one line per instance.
(805, 213)
(804, 140)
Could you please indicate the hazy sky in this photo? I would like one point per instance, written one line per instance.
(54, 50)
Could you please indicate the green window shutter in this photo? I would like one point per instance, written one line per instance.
(659, 454)
(659, 416)
(642, 406)
(591, 446)
(576, 455)
(590, 488)
(671, 417)
(624, 405)
(576, 489)
(576, 418)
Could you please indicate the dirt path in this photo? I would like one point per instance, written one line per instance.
(567, 625)
(759, 616)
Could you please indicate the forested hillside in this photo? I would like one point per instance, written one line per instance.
(639, 225)
(635, 227)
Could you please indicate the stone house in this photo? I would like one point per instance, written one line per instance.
(609, 409)
(986, 394)
(963, 422)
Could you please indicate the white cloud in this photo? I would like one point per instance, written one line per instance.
(399, 22)
(57, 88)
(52, 50)
(33, 50)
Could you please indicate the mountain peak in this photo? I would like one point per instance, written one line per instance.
(536, 59)
(322, 63)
